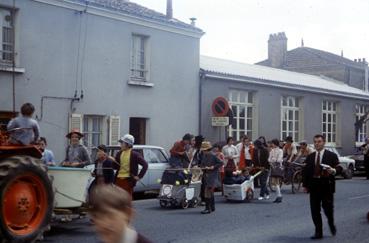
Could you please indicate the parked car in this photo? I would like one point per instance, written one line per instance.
(346, 165)
(359, 159)
(155, 156)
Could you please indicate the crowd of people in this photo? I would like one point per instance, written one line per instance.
(231, 163)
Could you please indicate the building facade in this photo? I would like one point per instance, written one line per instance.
(104, 67)
(276, 103)
(317, 62)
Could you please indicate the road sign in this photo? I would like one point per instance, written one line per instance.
(220, 106)
(220, 121)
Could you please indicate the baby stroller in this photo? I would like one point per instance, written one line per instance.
(240, 192)
(178, 192)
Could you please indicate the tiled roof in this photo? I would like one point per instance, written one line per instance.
(306, 56)
(277, 77)
(136, 10)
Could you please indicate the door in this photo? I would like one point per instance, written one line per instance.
(137, 128)
(158, 162)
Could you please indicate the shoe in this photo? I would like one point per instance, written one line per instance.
(333, 229)
(260, 198)
(206, 211)
(266, 197)
(278, 200)
(317, 237)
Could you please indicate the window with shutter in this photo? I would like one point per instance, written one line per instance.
(76, 122)
(114, 130)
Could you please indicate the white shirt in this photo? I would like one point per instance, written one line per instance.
(276, 155)
(230, 151)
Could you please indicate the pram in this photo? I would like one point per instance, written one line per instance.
(174, 192)
(240, 192)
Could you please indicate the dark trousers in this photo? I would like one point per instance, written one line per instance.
(248, 162)
(366, 165)
(321, 197)
(263, 183)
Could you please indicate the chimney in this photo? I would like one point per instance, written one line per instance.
(277, 49)
(193, 21)
(169, 9)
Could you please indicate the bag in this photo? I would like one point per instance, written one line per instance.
(276, 170)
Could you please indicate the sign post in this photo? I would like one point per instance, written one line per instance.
(221, 109)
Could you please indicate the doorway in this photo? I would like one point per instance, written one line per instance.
(137, 128)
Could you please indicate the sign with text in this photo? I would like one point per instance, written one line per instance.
(220, 107)
(220, 121)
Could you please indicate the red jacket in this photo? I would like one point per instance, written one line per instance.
(177, 148)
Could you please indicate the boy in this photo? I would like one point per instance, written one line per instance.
(103, 172)
(28, 132)
(112, 213)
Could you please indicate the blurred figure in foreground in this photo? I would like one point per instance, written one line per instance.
(112, 213)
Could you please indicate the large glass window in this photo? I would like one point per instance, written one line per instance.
(361, 111)
(92, 130)
(242, 106)
(329, 124)
(138, 57)
(6, 35)
(290, 117)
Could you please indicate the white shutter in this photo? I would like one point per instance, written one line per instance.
(114, 130)
(76, 122)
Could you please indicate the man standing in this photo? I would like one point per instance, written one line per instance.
(261, 160)
(246, 152)
(127, 165)
(319, 181)
(365, 148)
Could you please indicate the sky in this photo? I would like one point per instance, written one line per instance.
(239, 29)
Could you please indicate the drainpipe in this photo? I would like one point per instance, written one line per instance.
(201, 79)
(366, 82)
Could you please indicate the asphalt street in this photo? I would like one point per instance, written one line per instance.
(258, 221)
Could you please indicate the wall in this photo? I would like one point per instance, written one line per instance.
(49, 53)
(268, 111)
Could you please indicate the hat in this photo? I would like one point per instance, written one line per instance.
(102, 147)
(74, 131)
(128, 139)
(199, 138)
(206, 146)
(303, 142)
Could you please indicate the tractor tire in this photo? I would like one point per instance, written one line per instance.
(27, 199)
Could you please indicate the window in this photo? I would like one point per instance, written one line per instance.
(242, 106)
(361, 111)
(92, 130)
(6, 35)
(329, 113)
(290, 117)
(139, 58)
(154, 156)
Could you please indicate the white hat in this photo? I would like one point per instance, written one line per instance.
(128, 139)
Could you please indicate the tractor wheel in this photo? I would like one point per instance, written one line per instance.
(27, 199)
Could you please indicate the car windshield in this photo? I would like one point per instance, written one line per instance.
(154, 156)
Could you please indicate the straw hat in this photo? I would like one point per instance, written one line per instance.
(206, 145)
(74, 131)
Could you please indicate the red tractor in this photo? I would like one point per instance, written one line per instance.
(26, 193)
